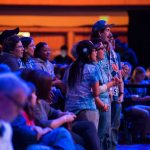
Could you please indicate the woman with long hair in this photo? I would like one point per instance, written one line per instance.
(82, 84)
(46, 116)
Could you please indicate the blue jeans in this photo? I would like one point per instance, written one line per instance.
(88, 115)
(59, 139)
(38, 147)
(115, 123)
(104, 129)
(42, 147)
(88, 132)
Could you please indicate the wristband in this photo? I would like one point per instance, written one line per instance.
(103, 88)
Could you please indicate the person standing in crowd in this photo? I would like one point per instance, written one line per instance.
(109, 65)
(82, 77)
(13, 52)
(11, 103)
(29, 47)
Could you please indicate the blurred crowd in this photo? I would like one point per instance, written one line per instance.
(76, 102)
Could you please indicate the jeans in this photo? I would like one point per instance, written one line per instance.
(42, 147)
(115, 123)
(38, 147)
(58, 139)
(88, 132)
(89, 115)
(104, 129)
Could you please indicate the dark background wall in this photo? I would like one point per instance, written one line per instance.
(139, 35)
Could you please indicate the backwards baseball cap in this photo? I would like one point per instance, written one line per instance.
(100, 25)
(7, 33)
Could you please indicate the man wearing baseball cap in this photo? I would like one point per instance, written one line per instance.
(102, 30)
(108, 128)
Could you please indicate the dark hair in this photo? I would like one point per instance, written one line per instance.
(136, 71)
(23, 73)
(10, 43)
(64, 47)
(38, 48)
(7, 33)
(26, 41)
(84, 49)
(28, 108)
(42, 81)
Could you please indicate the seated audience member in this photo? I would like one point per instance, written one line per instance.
(126, 70)
(13, 94)
(138, 77)
(46, 116)
(28, 54)
(141, 108)
(148, 78)
(26, 133)
(62, 61)
(42, 55)
(63, 58)
(5, 34)
(13, 52)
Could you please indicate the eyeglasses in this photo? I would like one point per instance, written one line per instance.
(20, 46)
(18, 104)
(32, 46)
(100, 48)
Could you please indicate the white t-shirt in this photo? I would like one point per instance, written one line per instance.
(6, 138)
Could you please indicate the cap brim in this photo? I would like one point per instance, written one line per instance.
(7, 33)
(110, 25)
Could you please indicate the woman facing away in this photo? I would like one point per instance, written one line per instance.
(82, 77)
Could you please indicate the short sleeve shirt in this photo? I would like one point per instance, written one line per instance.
(81, 97)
